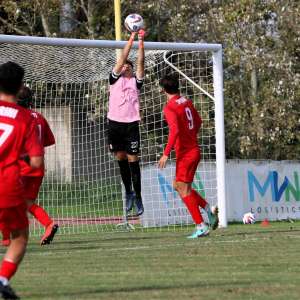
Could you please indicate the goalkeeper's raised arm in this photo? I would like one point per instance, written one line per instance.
(124, 55)
(140, 71)
(123, 120)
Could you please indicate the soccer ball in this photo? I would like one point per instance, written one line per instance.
(214, 209)
(249, 218)
(134, 23)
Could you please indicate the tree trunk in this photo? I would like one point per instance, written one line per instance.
(45, 24)
(91, 12)
(254, 82)
(66, 22)
(43, 11)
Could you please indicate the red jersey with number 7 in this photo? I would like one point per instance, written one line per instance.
(184, 123)
(18, 134)
(46, 138)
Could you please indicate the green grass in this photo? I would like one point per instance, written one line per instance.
(240, 262)
(96, 199)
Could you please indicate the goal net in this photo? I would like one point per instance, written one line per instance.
(82, 188)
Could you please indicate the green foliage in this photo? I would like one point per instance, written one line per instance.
(261, 56)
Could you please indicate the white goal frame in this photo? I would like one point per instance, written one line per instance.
(218, 99)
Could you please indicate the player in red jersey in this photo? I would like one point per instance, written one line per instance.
(33, 178)
(184, 123)
(18, 134)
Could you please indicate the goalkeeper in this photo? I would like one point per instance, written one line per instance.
(123, 120)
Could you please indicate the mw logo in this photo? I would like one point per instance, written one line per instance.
(286, 187)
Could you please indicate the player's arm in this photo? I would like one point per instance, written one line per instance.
(198, 120)
(36, 162)
(124, 55)
(172, 121)
(49, 138)
(140, 71)
(33, 147)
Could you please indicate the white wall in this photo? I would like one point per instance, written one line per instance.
(59, 157)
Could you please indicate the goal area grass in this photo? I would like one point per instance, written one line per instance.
(239, 262)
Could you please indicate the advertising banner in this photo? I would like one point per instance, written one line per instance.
(269, 189)
(162, 203)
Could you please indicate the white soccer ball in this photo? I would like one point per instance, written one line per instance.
(249, 218)
(134, 22)
(214, 209)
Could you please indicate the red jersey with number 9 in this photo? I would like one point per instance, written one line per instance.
(18, 134)
(184, 123)
(46, 138)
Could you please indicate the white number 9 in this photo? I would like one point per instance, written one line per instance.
(189, 117)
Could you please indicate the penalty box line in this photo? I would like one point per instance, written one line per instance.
(138, 248)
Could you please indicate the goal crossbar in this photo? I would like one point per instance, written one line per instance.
(67, 42)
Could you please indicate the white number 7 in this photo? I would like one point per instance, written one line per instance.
(189, 117)
(7, 130)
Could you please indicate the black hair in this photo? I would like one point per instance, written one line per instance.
(170, 83)
(25, 97)
(11, 78)
(129, 62)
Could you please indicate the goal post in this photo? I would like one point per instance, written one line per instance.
(82, 187)
(220, 135)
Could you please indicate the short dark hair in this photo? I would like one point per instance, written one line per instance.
(11, 78)
(25, 97)
(170, 83)
(129, 62)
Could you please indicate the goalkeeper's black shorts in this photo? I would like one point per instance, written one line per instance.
(124, 137)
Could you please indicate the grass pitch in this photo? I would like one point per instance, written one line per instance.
(240, 262)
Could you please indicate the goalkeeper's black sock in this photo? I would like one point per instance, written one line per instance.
(136, 177)
(125, 174)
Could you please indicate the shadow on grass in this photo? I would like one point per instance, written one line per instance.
(229, 284)
(101, 240)
(69, 246)
(258, 232)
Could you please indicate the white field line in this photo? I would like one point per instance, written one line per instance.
(137, 248)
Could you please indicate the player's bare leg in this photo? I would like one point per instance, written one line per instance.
(16, 250)
(134, 165)
(185, 191)
(11, 260)
(41, 215)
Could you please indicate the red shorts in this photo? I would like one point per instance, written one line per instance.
(14, 218)
(31, 187)
(186, 166)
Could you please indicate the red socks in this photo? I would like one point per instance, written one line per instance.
(8, 269)
(40, 214)
(201, 202)
(193, 207)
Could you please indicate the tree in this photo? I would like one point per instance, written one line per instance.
(261, 84)
(67, 17)
(37, 17)
(261, 55)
